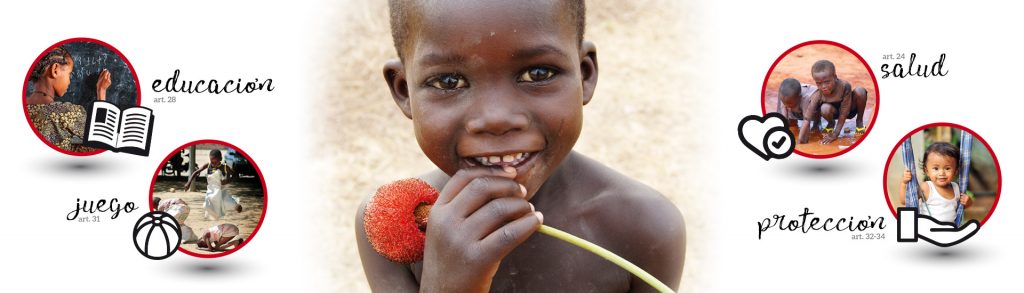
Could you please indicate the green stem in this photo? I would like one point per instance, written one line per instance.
(611, 256)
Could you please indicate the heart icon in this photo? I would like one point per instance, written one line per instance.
(768, 136)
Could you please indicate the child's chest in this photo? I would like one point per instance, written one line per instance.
(835, 97)
(946, 193)
(837, 94)
(545, 264)
(222, 168)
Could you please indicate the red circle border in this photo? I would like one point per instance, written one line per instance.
(263, 183)
(24, 91)
(999, 171)
(871, 124)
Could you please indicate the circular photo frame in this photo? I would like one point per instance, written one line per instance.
(217, 194)
(64, 80)
(951, 161)
(812, 84)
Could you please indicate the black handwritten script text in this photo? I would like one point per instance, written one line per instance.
(806, 222)
(100, 206)
(902, 71)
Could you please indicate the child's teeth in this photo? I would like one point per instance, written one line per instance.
(509, 159)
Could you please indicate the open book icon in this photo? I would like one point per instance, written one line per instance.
(110, 128)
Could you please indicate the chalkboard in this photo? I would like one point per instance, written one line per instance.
(90, 58)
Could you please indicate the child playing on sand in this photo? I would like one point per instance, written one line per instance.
(218, 201)
(836, 100)
(178, 209)
(174, 206)
(219, 238)
(941, 161)
(495, 91)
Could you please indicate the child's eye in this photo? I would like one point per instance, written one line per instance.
(536, 74)
(447, 82)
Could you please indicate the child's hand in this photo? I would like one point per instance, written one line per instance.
(906, 176)
(829, 138)
(102, 84)
(966, 200)
(479, 217)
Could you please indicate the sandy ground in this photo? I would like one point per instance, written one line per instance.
(646, 99)
(248, 190)
(797, 64)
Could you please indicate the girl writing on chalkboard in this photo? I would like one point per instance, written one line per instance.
(62, 124)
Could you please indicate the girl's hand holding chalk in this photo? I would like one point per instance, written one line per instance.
(102, 84)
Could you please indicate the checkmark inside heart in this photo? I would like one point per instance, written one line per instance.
(779, 143)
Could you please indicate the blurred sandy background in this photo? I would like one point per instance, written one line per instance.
(644, 120)
(797, 64)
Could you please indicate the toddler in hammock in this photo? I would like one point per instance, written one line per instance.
(940, 194)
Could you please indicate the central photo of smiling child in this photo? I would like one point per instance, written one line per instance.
(455, 142)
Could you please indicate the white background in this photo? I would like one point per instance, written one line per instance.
(983, 56)
(39, 249)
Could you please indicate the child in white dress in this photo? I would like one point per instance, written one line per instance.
(218, 201)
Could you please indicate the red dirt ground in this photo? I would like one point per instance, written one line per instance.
(797, 64)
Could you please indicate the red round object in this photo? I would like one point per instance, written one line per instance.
(390, 223)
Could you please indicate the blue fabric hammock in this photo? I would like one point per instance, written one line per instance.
(912, 186)
(966, 143)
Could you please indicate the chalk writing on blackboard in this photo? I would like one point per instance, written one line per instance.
(91, 57)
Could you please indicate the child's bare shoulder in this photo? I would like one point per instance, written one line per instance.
(629, 209)
(629, 218)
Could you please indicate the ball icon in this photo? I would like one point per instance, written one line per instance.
(157, 235)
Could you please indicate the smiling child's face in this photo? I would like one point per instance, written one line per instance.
(495, 83)
(941, 168)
